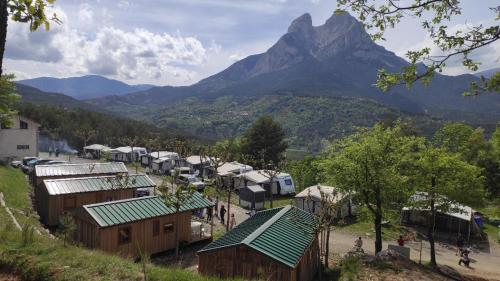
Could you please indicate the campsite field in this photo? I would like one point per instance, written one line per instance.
(47, 258)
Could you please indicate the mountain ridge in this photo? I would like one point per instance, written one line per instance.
(337, 58)
(84, 87)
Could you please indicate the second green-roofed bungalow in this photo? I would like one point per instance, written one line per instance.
(145, 224)
(56, 197)
(275, 244)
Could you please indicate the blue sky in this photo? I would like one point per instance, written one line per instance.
(179, 42)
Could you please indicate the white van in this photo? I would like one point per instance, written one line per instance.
(285, 184)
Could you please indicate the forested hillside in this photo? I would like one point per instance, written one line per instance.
(65, 123)
(309, 122)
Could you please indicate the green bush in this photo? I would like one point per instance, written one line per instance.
(349, 269)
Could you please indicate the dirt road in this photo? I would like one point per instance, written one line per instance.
(485, 265)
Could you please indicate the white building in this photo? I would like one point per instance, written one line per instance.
(19, 140)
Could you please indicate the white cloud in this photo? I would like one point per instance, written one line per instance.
(137, 55)
(488, 56)
(85, 13)
(123, 4)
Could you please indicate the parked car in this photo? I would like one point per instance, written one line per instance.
(191, 179)
(56, 162)
(27, 159)
(16, 164)
(29, 167)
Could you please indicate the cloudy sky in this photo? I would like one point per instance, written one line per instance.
(179, 42)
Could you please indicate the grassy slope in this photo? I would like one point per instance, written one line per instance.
(48, 259)
(492, 222)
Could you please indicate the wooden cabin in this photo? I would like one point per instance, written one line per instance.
(59, 196)
(124, 226)
(275, 244)
(43, 172)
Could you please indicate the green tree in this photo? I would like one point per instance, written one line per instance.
(434, 15)
(442, 178)
(472, 146)
(264, 141)
(8, 96)
(495, 142)
(32, 12)
(68, 228)
(369, 164)
(304, 172)
(86, 134)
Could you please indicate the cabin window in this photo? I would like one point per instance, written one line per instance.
(169, 227)
(23, 147)
(69, 202)
(124, 236)
(288, 182)
(23, 125)
(156, 227)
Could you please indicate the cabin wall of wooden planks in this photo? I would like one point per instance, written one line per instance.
(141, 234)
(51, 207)
(247, 263)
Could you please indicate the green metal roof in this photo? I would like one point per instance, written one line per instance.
(283, 234)
(92, 184)
(135, 209)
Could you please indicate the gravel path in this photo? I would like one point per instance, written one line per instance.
(485, 265)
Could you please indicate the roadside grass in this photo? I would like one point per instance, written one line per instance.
(364, 226)
(16, 190)
(48, 259)
(15, 187)
(278, 202)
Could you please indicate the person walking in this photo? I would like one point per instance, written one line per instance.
(460, 244)
(216, 206)
(210, 211)
(232, 222)
(401, 241)
(222, 212)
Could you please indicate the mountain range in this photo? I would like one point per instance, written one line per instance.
(84, 87)
(317, 80)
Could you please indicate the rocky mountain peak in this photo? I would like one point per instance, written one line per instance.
(301, 24)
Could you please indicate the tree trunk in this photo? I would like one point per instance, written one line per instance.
(320, 271)
(432, 222)
(177, 233)
(271, 194)
(327, 246)
(4, 15)
(378, 222)
(228, 210)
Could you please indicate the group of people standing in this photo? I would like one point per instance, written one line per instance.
(221, 214)
(55, 151)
